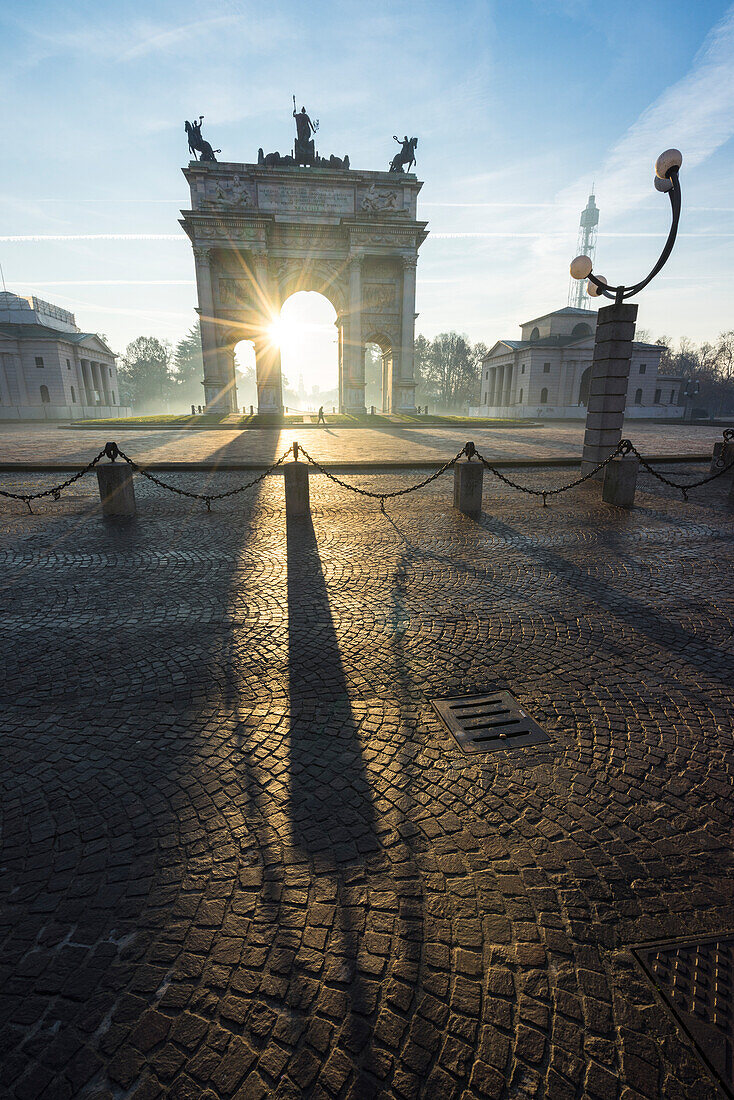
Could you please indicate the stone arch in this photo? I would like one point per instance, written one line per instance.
(386, 345)
(261, 233)
(314, 306)
(581, 329)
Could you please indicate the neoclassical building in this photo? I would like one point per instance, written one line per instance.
(546, 373)
(49, 368)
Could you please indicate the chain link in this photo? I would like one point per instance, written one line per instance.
(206, 497)
(684, 488)
(382, 497)
(622, 448)
(57, 490)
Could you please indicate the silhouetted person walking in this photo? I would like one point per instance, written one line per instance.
(322, 418)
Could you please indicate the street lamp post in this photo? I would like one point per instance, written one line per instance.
(615, 330)
(690, 392)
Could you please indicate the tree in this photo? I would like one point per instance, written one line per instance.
(145, 374)
(188, 365)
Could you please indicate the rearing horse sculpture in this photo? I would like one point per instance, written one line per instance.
(197, 142)
(406, 154)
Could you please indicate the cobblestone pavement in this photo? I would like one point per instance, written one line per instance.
(242, 857)
(36, 443)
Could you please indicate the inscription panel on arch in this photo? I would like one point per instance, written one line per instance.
(303, 198)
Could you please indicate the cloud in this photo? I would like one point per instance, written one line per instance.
(113, 282)
(696, 115)
(37, 237)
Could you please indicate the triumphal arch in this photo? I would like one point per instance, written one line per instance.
(261, 232)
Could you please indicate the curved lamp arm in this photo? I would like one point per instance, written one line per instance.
(667, 169)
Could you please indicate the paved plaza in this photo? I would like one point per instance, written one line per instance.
(242, 856)
(39, 443)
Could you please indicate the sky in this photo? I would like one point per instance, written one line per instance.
(519, 107)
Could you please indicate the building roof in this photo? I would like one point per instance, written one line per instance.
(43, 332)
(567, 310)
(561, 341)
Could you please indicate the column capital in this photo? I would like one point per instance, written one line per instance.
(202, 253)
(409, 262)
(356, 259)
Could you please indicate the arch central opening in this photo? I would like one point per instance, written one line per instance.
(308, 338)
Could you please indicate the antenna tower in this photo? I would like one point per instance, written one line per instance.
(585, 246)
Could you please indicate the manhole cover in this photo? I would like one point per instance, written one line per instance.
(483, 723)
(695, 980)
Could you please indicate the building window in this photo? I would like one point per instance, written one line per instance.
(522, 369)
(44, 395)
(638, 397)
(520, 398)
(112, 395)
(546, 368)
(658, 395)
(39, 362)
(73, 396)
(544, 396)
(672, 397)
(68, 364)
(535, 334)
(643, 368)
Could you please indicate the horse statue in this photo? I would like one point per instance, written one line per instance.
(406, 154)
(197, 144)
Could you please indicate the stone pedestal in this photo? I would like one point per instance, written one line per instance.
(468, 477)
(297, 500)
(620, 481)
(726, 454)
(615, 330)
(715, 455)
(116, 490)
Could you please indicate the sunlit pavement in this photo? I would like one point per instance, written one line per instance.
(38, 443)
(242, 857)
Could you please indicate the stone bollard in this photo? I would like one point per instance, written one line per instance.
(297, 500)
(726, 454)
(116, 490)
(468, 477)
(715, 457)
(620, 481)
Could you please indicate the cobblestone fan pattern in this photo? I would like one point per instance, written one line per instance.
(36, 443)
(243, 857)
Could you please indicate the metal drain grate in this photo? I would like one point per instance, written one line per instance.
(484, 723)
(695, 980)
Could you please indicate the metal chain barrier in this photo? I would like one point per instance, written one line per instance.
(57, 489)
(382, 497)
(722, 468)
(206, 497)
(622, 448)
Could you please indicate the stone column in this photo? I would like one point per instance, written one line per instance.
(104, 372)
(501, 385)
(215, 396)
(404, 386)
(495, 386)
(508, 385)
(267, 354)
(88, 394)
(353, 361)
(615, 330)
(97, 381)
